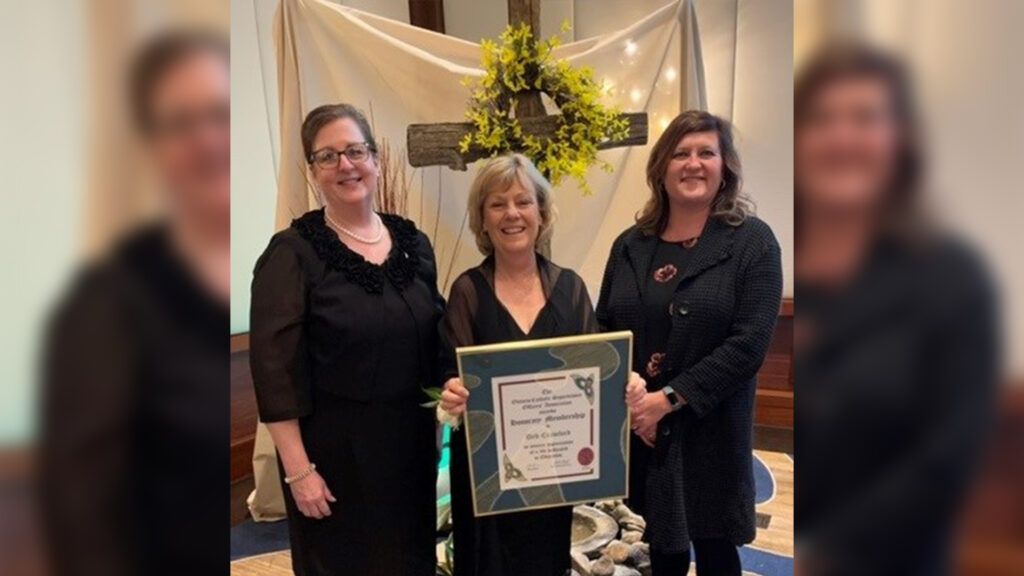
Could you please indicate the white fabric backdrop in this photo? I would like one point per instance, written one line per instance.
(746, 51)
(331, 53)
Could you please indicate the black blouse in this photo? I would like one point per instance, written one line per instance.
(667, 267)
(534, 542)
(323, 316)
(476, 316)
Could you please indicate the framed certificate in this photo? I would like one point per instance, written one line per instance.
(546, 421)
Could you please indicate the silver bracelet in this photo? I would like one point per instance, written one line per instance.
(300, 475)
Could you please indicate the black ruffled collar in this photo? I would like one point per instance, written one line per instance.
(399, 269)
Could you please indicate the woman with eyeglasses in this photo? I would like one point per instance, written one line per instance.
(345, 310)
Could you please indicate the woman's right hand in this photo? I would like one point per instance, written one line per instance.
(636, 388)
(312, 496)
(454, 396)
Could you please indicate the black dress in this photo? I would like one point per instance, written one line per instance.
(657, 307)
(534, 543)
(346, 346)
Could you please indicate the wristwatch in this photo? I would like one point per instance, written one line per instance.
(674, 399)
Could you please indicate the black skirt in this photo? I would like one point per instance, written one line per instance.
(378, 460)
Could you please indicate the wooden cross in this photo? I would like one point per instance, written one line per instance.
(438, 144)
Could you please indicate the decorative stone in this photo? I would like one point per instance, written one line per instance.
(580, 563)
(603, 567)
(632, 521)
(625, 571)
(632, 536)
(639, 554)
(620, 512)
(618, 551)
(591, 530)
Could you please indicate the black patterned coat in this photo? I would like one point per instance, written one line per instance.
(699, 481)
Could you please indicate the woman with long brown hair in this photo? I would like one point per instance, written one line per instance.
(698, 280)
(896, 339)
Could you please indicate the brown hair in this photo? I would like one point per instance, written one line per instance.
(497, 175)
(323, 115)
(852, 61)
(158, 57)
(730, 204)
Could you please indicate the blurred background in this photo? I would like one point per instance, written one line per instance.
(921, 460)
(76, 182)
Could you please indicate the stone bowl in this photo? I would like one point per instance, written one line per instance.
(592, 529)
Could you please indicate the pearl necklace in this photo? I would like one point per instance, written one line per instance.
(363, 239)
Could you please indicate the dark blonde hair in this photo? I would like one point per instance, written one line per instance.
(497, 175)
(729, 204)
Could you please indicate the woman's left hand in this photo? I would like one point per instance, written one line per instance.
(646, 413)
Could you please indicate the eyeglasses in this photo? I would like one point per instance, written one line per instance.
(187, 123)
(329, 157)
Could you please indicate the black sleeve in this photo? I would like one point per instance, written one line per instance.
(428, 270)
(583, 307)
(278, 352)
(428, 263)
(89, 408)
(603, 315)
(457, 326)
(738, 358)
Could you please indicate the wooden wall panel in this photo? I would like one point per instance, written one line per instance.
(774, 402)
(243, 409)
(427, 14)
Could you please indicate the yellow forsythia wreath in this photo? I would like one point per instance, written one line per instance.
(519, 64)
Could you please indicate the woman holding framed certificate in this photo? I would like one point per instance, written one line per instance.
(515, 294)
(698, 280)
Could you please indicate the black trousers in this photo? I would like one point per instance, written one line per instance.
(715, 557)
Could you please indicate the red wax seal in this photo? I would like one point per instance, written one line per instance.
(586, 456)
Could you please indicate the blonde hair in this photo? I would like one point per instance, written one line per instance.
(497, 175)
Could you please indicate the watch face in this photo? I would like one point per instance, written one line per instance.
(673, 398)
